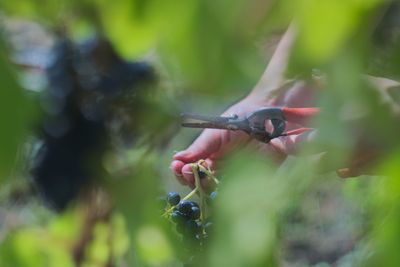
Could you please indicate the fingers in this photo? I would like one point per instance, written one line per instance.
(289, 145)
(176, 167)
(300, 95)
(362, 162)
(184, 172)
(347, 173)
(295, 94)
(294, 142)
(186, 177)
(210, 145)
(206, 144)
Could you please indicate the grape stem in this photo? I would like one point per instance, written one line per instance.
(196, 168)
(202, 194)
(188, 196)
(208, 172)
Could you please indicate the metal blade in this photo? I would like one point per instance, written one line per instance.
(201, 121)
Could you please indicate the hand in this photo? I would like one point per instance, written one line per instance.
(212, 144)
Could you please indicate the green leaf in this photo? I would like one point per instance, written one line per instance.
(325, 26)
(153, 246)
(15, 116)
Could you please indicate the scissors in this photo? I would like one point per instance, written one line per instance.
(254, 123)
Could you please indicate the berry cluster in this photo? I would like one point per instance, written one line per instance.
(86, 105)
(186, 215)
(192, 220)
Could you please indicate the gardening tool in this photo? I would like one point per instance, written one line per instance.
(255, 123)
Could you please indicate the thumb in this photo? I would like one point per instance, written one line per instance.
(208, 143)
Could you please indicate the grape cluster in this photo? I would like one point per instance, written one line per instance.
(191, 223)
(89, 101)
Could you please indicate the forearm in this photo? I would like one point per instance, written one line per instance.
(274, 75)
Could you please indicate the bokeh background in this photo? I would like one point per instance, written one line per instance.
(91, 93)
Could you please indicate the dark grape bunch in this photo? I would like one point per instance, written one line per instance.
(193, 225)
(90, 100)
(193, 220)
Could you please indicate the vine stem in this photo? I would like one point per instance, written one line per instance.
(196, 167)
(188, 196)
(209, 173)
(202, 194)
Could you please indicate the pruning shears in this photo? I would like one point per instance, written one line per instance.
(255, 123)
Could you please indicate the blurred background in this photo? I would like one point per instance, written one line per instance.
(91, 93)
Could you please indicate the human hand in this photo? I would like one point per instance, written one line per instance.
(213, 144)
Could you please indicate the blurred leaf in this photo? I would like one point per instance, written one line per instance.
(135, 197)
(325, 26)
(15, 116)
(209, 47)
(120, 241)
(127, 27)
(68, 225)
(153, 246)
(385, 231)
(21, 249)
(98, 251)
(251, 201)
(34, 248)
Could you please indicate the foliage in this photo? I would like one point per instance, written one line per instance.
(207, 52)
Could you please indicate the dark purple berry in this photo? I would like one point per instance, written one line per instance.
(177, 217)
(185, 207)
(193, 204)
(195, 213)
(192, 228)
(173, 198)
(202, 174)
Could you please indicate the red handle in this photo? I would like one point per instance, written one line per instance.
(299, 115)
(298, 131)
